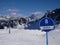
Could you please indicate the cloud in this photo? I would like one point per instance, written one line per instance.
(38, 14)
(12, 10)
(13, 13)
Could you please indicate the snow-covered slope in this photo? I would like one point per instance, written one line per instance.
(28, 37)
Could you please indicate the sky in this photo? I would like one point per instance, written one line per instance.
(27, 7)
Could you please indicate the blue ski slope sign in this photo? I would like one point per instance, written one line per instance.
(46, 24)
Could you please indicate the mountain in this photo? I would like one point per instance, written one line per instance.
(55, 15)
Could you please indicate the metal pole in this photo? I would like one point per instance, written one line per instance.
(9, 28)
(46, 38)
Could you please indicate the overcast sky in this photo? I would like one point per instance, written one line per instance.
(26, 7)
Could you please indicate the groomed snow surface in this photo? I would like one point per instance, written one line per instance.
(28, 37)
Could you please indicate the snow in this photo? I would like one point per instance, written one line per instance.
(22, 26)
(57, 26)
(28, 37)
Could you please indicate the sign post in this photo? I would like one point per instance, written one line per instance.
(9, 26)
(46, 24)
(46, 38)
